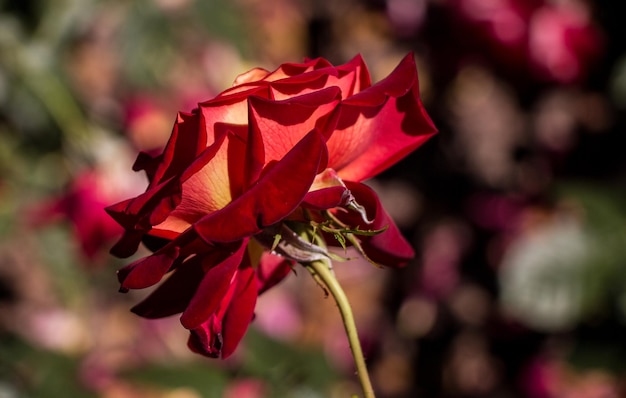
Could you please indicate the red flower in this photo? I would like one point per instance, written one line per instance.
(276, 153)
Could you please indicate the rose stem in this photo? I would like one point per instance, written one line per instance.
(321, 269)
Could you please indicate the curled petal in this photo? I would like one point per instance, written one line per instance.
(163, 194)
(349, 78)
(327, 191)
(287, 182)
(212, 289)
(148, 270)
(222, 332)
(387, 248)
(188, 140)
(174, 294)
(207, 338)
(253, 75)
(298, 70)
(380, 125)
(240, 311)
(326, 198)
(128, 244)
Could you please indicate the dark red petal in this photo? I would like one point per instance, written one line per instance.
(387, 248)
(212, 289)
(326, 198)
(188, 139)
(380, 125)
(128, 244)
(148, 163)
(205, 340)
(174, 294)
(209, 338)
(240, 311)
(139, 214)
(148, 270)
(271, 270)
(277, 194)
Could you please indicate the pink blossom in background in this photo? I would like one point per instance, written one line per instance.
(82, 205)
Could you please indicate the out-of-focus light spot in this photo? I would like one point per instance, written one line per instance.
(416, 317)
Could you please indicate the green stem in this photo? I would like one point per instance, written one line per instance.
(321, 271)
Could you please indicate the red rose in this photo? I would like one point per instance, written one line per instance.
(243, 172)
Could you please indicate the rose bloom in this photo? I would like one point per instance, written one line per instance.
(246, 172)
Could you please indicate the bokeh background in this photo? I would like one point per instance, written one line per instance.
(516, 208)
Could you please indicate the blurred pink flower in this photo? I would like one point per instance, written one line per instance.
(553, 41)
(563, 42)
(245, 388)
(82, 204)
(147, 116)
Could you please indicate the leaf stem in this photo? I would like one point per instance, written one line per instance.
(321, 270)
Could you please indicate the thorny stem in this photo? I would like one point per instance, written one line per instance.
(321, 271)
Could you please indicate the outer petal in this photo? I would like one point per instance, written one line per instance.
(387, 248)
(188, 139)
(240, 312)
(287, 182)
(327, 191)
(222, 332)
(271, 270)
(326, 198)
(174, 294)
(212, 289)
(380, 125)
(139, 214)
(287, 70)
(150, 270)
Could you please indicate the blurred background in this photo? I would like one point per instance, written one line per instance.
(516, 208)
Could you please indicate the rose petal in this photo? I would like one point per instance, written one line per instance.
(287, 182)
(282, 124)
(252, 75)
(207, 338)
(350, 78)
(209, 182)
(387, 248)
(380, 125)
(148, 270)
(186, 142)
(326, 198)
(222, 331)
(288, 69)
(240, 311)
(271, 270)
(174, 294)
(212, 288)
